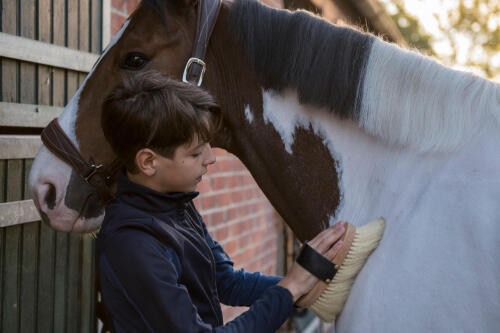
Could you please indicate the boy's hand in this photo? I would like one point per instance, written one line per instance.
(298, 280)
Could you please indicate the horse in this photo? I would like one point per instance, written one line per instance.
(334, 124)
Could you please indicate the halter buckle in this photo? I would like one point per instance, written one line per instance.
(186, 69)
(95, 169)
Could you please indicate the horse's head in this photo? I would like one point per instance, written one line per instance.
(158, 36)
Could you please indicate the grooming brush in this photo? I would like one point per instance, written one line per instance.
(327, 298)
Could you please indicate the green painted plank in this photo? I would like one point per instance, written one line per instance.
(61, 282)
(46, 281)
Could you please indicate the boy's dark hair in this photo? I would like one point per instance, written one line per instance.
(154, 111)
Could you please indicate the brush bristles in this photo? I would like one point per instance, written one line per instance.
(331, 302)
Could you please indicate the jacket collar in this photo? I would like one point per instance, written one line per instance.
(147, 199)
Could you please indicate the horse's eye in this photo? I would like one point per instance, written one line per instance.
(135, 61)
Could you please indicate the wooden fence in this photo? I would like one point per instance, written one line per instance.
(46, 49)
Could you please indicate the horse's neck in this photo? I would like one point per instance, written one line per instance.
(377, 179)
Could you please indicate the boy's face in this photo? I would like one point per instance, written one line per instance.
(184, 170)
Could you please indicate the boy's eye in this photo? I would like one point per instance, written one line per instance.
(196, 154)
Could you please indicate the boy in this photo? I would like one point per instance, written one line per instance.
(159, 269)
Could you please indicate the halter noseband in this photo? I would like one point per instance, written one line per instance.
(99, 176)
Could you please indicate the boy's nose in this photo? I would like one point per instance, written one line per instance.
(210, 159)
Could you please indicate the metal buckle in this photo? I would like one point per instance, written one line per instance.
(189, 63)
(95, 169)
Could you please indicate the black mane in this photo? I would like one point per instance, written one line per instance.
(324, 62)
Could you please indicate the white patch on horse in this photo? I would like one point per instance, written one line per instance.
(411, 100)
(436, 260)
(67, 118)
(248, 114)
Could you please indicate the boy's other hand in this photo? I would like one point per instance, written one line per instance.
(298, 280)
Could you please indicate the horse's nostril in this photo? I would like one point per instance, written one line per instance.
(50, 196)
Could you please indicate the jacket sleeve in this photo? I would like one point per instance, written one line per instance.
(237, 287)
(147, 274)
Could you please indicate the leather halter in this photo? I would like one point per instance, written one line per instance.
(99, 176)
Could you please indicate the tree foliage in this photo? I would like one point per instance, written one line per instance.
(469, 28)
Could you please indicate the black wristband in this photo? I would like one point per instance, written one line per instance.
(316, 264)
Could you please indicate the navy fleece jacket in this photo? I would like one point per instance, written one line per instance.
(160, 271)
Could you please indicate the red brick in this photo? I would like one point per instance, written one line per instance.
(223, 199)
(233, 213)
(223, 233)
(217, 218)
(224, 166)
(233, 181)
(132, 5)
(244, 241)
(258, 235)
(208, 201)
(116, 22)
(230, 246)
(219, 182)
(118, 5)
(242, 226)
(248, 194)
(236, 196)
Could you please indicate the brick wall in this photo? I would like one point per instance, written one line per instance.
(235, 210)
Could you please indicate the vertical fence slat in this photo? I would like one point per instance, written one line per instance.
(60, 280)
(9, 67)
(46, 245)
(3, 175)
(59, 35)
(29, 272)
(29, 276)
(61, 239)
(84, 33)
(11, 306)
(95, 25)
(46, 283)
(3, 180)
(27, 70)
(74, 278)
(29, 232)
(88, 286)
(73, 28)
(44, 35)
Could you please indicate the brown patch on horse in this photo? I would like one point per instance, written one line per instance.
(305, 205)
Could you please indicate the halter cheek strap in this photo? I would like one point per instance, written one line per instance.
(101, 177)
(98, 176)
(208, 10)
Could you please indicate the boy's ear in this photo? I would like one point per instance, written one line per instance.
(146, 161)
